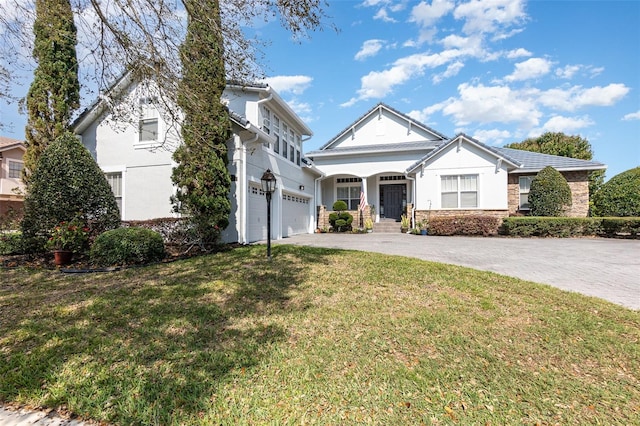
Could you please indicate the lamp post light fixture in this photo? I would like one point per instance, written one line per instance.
(268, 181)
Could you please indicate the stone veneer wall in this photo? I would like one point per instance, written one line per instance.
(422, 215)
(578, 183)
(323, 216)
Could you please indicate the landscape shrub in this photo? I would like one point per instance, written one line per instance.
(127, 246)
(570, 227)
(550, 194)
(11, 243)
(464, 225)
(174, 231)
(67, 184)
(340, 220)
(619, 196)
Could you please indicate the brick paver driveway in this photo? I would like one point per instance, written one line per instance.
(600, 267)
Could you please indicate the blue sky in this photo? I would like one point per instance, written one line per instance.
(498, 70)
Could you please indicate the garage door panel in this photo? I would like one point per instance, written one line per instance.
(256, 214)
(295, 215)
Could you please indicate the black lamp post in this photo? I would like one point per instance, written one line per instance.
(268, 186)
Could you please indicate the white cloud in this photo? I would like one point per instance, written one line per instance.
(632, 116)
(575, 97)
(492, 137)
(378, 84)
(295, 84)
(531, 68)
(452, 70)
(559, 123)
(303, 109)
(369, 48)
(518, 53)
(485, 104)
(426, 15)
(383, 15)
(568, 71)
(490, 16)
(424, 114)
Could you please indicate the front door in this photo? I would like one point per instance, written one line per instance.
(392, 199)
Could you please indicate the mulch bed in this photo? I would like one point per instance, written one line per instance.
(82, 263)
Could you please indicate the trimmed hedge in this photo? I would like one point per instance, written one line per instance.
(127, 246)
(11, 243)
(620, 196)
(174, 231)
(571, 226)
(464, 225)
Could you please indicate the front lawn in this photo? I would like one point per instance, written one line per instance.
(316, 336)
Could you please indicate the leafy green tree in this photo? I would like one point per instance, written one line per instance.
(557, 143)
(67, 184)
(550, 194)
(620, 196)
(201, 176)
(54, 93)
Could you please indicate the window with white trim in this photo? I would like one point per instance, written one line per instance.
(148, 126)
(524, 184)
(459, 191)
(15, 169)
(285, 140)
(348, 192)
(298, 150)
(276, 133)
(115, 182)
(266, 123)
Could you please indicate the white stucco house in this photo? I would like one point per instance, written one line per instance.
(136, 156)
(404, 167)
(399, 165)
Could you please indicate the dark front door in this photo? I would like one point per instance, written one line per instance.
(392, 199)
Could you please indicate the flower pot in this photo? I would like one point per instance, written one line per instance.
(404, 230)
(423, 232)
(62, 257)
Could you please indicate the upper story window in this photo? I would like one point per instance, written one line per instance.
(459, 191)
(524, 188)
(276, 133)
(15, 169)
(287, 142)
(149, 118)
(266, 123)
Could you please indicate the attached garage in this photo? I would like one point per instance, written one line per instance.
(295, 214)
(256, 214)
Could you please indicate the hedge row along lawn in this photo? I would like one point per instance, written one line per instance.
(316, 336)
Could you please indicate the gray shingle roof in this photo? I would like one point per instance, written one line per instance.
(534, 161)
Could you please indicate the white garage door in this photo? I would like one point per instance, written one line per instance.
(256, 214)
(295, 215)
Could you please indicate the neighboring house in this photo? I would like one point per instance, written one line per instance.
(136, 156)
(11, 185)
(404, 167)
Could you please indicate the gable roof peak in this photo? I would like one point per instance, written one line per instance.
(379, 107)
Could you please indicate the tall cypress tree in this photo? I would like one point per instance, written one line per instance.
(54, 93)
(201, 176)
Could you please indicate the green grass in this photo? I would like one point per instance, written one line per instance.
(316, 336)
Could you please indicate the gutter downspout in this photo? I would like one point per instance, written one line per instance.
(413, 211)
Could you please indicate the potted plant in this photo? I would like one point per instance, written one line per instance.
(68, 238)
(368, 224)
(423, 225)
(405, 222)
